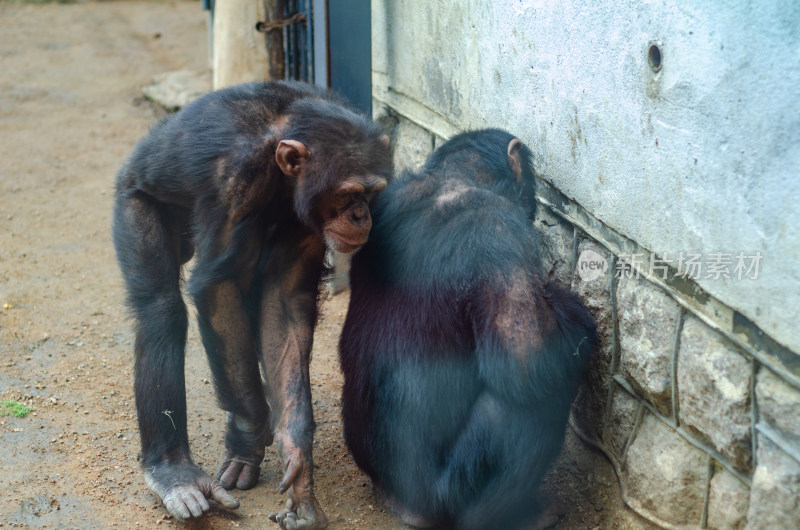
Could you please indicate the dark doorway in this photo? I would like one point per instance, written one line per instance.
(349, 50)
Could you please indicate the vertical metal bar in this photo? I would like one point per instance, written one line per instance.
(309, 41)
(298, 31)
(290, 29)
(301, 47)
(287, 46)
(320, 39)
(293, 33)
(298, 39)
(292, 5)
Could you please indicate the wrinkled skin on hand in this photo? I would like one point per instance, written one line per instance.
(302, 511)
(186, 490)
(238, 471)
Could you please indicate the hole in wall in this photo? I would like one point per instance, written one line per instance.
(654, 57)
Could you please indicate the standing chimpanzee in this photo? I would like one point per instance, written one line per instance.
(460, 360)
(255, 180)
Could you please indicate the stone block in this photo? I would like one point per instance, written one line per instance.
(779, 406)
(727, 502)
(714, 392)
(590, 407)
(648, 319)
(775, 495)
(412, 146)
(620, 422)
(174, 90)
(665, 475)
(556, 237)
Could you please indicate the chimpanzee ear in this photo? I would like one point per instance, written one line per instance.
(384, 140)
(291, 156)
(514, 161)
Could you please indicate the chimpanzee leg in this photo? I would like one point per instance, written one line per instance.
(491, 478)
(226, 327)
(287, 317)
(150, 248)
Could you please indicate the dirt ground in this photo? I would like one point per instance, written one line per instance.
(71, 109)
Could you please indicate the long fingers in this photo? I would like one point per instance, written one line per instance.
(184, 502)
(221, 495)
(228, 473)
(232, 472)
(195, 502)
(289, 520)
(296, 516)
(248, 477)
(174, 503)
(292, 470)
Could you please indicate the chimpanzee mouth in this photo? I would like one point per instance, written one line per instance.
(343, 245)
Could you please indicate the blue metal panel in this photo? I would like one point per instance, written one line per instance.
(350, 51)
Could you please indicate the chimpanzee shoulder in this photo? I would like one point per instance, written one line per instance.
(438, 220)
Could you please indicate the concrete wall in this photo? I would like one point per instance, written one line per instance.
(694, 394)
(702, 156)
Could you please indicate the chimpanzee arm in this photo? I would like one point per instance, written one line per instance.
(287, 317)
(229, 342)
(532, 338)
(226, 266)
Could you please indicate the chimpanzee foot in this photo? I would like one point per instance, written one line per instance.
(185, 490)
(302, 509)
(244, 451)
(305, 515)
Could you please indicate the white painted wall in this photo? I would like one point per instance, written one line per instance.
(703, 156)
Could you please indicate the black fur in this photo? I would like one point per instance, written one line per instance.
(460, 361)
(206, 182)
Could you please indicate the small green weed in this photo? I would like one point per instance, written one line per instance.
(168, 414)
(14, 408)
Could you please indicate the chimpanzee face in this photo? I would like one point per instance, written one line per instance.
(346, 220)
(341, 214)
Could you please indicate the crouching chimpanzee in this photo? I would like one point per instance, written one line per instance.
(254, 181)
(460, 359)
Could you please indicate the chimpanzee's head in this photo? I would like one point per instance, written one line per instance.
(339, 161)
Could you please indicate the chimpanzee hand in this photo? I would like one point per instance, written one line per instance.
(302, 509)
(239, 471)
(185, 489)
(244, 451)
(305, 515)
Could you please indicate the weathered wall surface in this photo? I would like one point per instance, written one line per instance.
(695, 393)
(702, 156)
